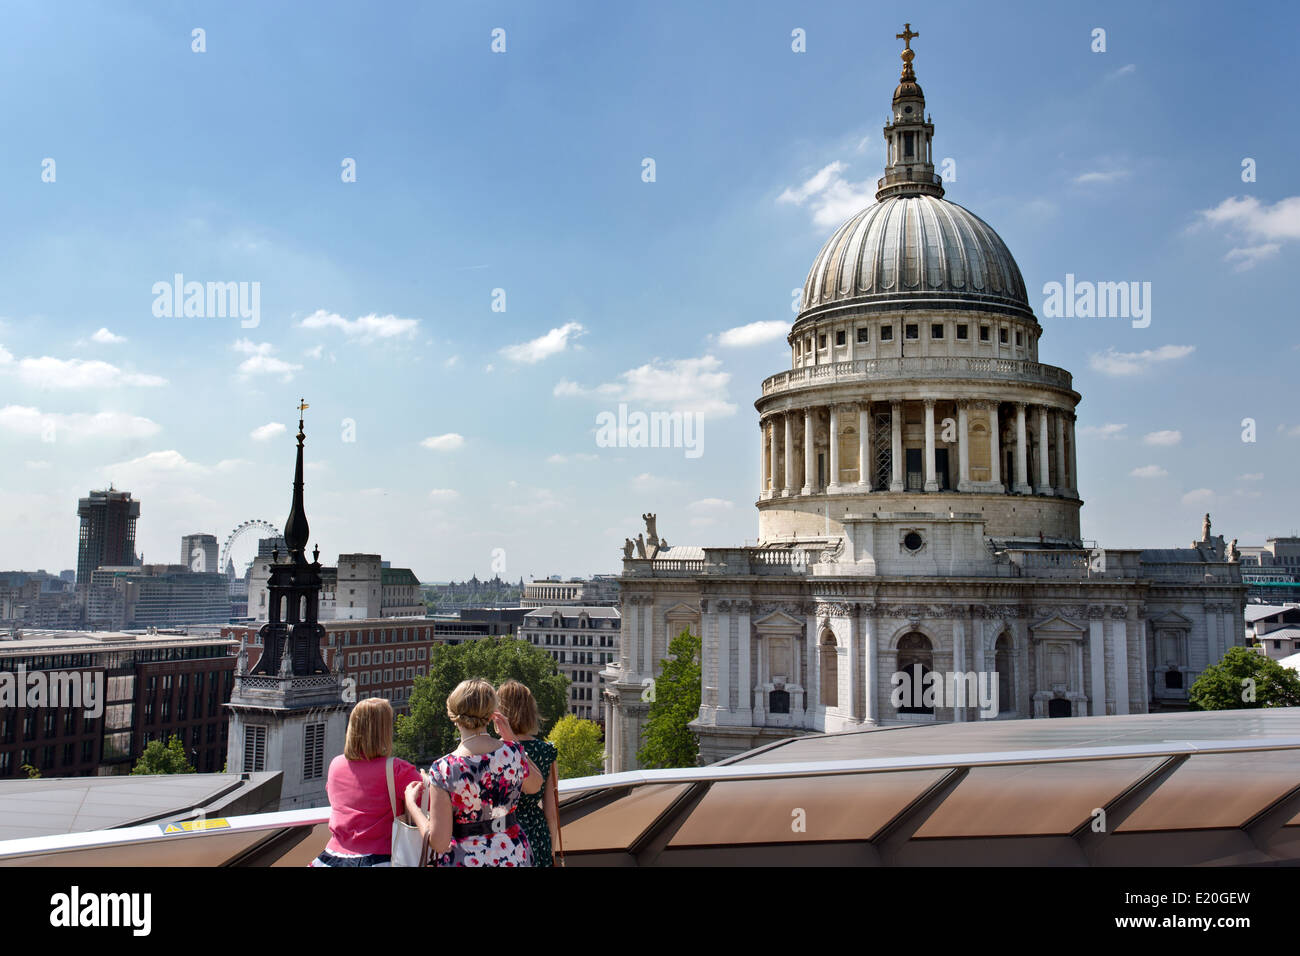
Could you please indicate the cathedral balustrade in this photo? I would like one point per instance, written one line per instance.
(930, 366)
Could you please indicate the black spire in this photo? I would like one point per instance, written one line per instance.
(292, 635)
(296, 530)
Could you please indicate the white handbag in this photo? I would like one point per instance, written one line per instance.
(409, 847)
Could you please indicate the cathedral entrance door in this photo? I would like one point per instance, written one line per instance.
(1058, 707)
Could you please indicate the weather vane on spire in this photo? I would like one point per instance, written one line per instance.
(908, 53)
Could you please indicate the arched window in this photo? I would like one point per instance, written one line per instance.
(915, 659)
(1005, 667)
(830, 689)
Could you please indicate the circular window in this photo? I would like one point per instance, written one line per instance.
(907, 109)
(912, 541)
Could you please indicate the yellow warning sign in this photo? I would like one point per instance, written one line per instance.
(193, 826)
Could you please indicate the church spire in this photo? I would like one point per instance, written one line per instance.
(296, 529)
(909, 170)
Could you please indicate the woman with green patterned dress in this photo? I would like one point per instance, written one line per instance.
(538, 813)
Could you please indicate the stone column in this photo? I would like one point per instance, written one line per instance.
(854, 638)
(1074, 473)
(762, 459)
(1044, 459)
(788, 487)
(961, 713)
(1062, 488)
(963, 448)
(864, 447)
(773, 459)
(995, 447)
(1022, 452)
(833, 482)
(809, 462)
(869, 665)
(1119, 655)
(896, 428)
(931, 483)
(1097, 653)
(744, 679)
(646, 629)
(723, 618)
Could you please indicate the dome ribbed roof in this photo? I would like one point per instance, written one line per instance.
(915, 251)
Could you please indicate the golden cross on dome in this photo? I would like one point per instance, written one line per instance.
(302, 406)
(906, 36)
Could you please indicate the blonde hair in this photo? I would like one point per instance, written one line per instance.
(520, 708)
(471, 704)
(370, 730)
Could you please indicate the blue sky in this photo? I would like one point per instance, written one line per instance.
(522, 171)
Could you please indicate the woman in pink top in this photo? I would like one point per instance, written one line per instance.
(361, 811)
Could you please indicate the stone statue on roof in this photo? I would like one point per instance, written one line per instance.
(1205, 527)
(628, 546)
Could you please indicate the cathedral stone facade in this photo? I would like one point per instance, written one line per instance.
(918, 513)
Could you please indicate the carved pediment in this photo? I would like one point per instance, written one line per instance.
(1171, 618)
(779, 620)
(1056, 626)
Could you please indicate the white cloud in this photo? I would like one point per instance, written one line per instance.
(6, 357)
(48, 372)
(1247, 257)
(449, 442)
(37, 465)
(452, 362)
(56, 426)
(1267, 227)
(1148, 471)
(1109, 430)
(267, 432)
(1199, 496)
(1124, 70)
(315, 351)
(1166, 437)
(1256, 476)
(262, 361)
(1109, 176)
(1112, 362)
(105, 337)
(831, 197)
(157, 467)
(443, 494)
(711, 504)
(367, 328)
(648, 482)
(1256, 219)
(552, 343)
(696, 385)
(756, 333)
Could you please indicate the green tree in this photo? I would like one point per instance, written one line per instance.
(1243, 679)
(163, 758)
(666, 740)
(427, 733)
(580, 747)
(33, 773)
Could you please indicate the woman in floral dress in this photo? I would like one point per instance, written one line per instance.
(538, 812)
(472, 818)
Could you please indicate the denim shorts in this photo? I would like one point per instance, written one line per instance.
(334, 859)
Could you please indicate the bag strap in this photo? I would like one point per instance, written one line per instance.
(553, 782)
(392, 788)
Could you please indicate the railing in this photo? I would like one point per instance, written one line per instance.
(293, 838)
(932, 366)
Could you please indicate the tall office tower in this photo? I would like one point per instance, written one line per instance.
(107, 532)
(199, 553)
